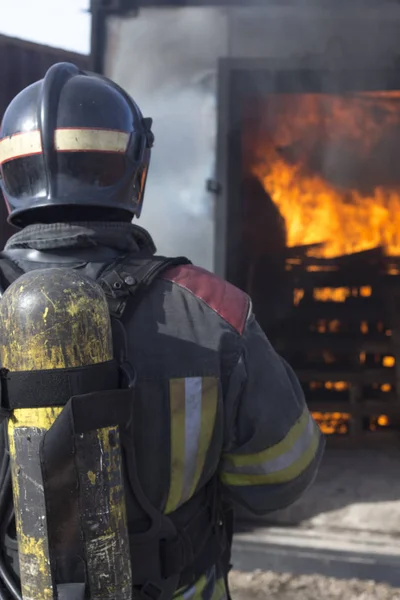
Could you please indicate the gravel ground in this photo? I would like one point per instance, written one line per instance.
(276, 586)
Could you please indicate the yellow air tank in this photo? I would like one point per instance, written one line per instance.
(56, 343)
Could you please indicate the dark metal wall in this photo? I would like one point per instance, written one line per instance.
(23, 63)
(123, 6)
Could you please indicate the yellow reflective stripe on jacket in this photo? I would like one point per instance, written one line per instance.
(220, 590)
(193, 405)
(198, 591)
(195, 592)
(279, 464)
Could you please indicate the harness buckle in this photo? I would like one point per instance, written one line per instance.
(113, 284)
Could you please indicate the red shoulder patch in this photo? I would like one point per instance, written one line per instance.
(224, 298)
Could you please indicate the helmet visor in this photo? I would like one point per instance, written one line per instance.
(25, 176)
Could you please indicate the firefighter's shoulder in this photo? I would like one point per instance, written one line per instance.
(229, 302)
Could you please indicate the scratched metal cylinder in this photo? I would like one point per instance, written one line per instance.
(58, 319)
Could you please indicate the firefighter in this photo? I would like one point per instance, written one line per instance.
(219, 419)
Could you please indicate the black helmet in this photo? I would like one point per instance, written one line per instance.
(73, 143)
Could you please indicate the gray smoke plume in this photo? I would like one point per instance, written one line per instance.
(168, 60)
(178, 210)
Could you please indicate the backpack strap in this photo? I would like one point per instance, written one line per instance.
(228, 525)
(204, 543)
(127, 281)
(206, 538)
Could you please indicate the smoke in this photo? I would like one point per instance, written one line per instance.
(178, 210)
(167, 60)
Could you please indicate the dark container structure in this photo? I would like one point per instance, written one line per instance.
(333, 314)
(336, 320)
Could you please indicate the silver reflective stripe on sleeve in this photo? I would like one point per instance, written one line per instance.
(277, 464)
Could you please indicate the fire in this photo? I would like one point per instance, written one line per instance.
(383, 421)
(365, 292)
(339, 423)
(386, 387)
(389, 361)
(331, 294)
(332, 423)
(330, 163)
(298, 296)
(339, 386)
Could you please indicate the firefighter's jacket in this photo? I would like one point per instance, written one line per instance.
(213, 397)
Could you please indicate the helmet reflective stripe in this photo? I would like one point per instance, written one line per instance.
(91, 140)
(21, 144)
(66, 140)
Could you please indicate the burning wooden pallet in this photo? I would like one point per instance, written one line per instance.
(343, 340)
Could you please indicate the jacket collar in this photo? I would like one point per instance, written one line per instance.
(56, 236)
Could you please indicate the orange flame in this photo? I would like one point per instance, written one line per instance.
(330, 164)
(338, 423)
(332, 423)
(383, 421)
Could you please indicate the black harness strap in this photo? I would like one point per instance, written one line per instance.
(206, 539)
(131, 278)
(228, 523)
(56, 386)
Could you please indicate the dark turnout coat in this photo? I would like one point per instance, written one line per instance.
(214, 400)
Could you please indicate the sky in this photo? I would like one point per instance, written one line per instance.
(59, 23)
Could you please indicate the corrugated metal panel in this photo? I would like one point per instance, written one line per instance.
(23, 63)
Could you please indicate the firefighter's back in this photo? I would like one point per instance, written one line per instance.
(182, 341)
(216, 406)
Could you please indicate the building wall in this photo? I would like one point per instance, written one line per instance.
(369, 34)
(23, 63)
(168, 59)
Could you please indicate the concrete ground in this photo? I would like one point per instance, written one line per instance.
(357, 490)
(340, 540)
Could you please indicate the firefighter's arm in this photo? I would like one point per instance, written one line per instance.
(273, 446)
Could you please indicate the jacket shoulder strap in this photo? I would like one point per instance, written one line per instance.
(128, 280)
(9, 272)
